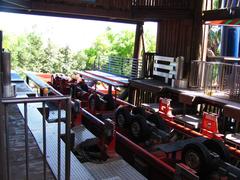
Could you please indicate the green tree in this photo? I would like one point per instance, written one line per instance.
(49, 55)
(214, 39)
(30, 52)
(80, 60)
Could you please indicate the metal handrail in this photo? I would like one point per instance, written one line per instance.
(33, 99)
(5, 102)
(216, 77)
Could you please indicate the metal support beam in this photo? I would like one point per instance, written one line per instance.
(68, 133)
(1, 87)
(3, 160)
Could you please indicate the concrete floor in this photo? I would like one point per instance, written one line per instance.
(17, 150)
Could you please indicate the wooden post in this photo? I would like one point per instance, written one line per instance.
(158, 38)
(137, 48)
(196, 33)
(137, 45)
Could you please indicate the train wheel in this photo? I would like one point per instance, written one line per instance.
(158, 121)
(196, 156)
(218, 147)
(122, 116)
(138, 110)
(110, 101)
(139, 128)
(94, 102)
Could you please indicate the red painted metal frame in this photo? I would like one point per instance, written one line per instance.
(165, 169)
(182, 129)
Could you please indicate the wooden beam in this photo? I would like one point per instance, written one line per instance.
(134, 14)
(78, 10)
(70, 11)
(221, 14)
(154, 13)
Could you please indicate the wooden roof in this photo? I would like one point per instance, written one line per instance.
(132, 11)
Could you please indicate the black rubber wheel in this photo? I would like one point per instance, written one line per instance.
(76, 106)
(139, 129)
(110, 101)
(94, 102)
(84, 86)
(138, 110)
(122, 117)
(218, 147)
(196, 156)
(158, 121)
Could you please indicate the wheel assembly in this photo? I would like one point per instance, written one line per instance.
(94, 102)
(158, 121)
(218, 147)
(196, 156)
(110, 101)
(138, 110)
(122, 117)
(139, 128)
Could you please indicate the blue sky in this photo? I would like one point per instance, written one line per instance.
(76, 33)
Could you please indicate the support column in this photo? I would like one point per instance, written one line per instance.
(137, 50)
(138, 40)
(158, 38)
(1, 85)
(3, 160)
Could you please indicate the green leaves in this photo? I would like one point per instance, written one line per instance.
(31, 52)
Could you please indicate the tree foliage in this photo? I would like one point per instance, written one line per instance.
(30, 52)
(214, 39)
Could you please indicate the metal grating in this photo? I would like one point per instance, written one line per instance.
(113, 169)
(118, 169)
(78, 171)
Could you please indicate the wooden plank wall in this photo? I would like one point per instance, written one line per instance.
(174, 38)
(181, 37)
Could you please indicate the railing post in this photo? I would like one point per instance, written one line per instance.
(44, 142)
(59, 141)
(67, 130)
(26, 139)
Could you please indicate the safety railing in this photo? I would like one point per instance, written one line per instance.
(221, 4)
(63, 170)
(127, 67)
(216, 77)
